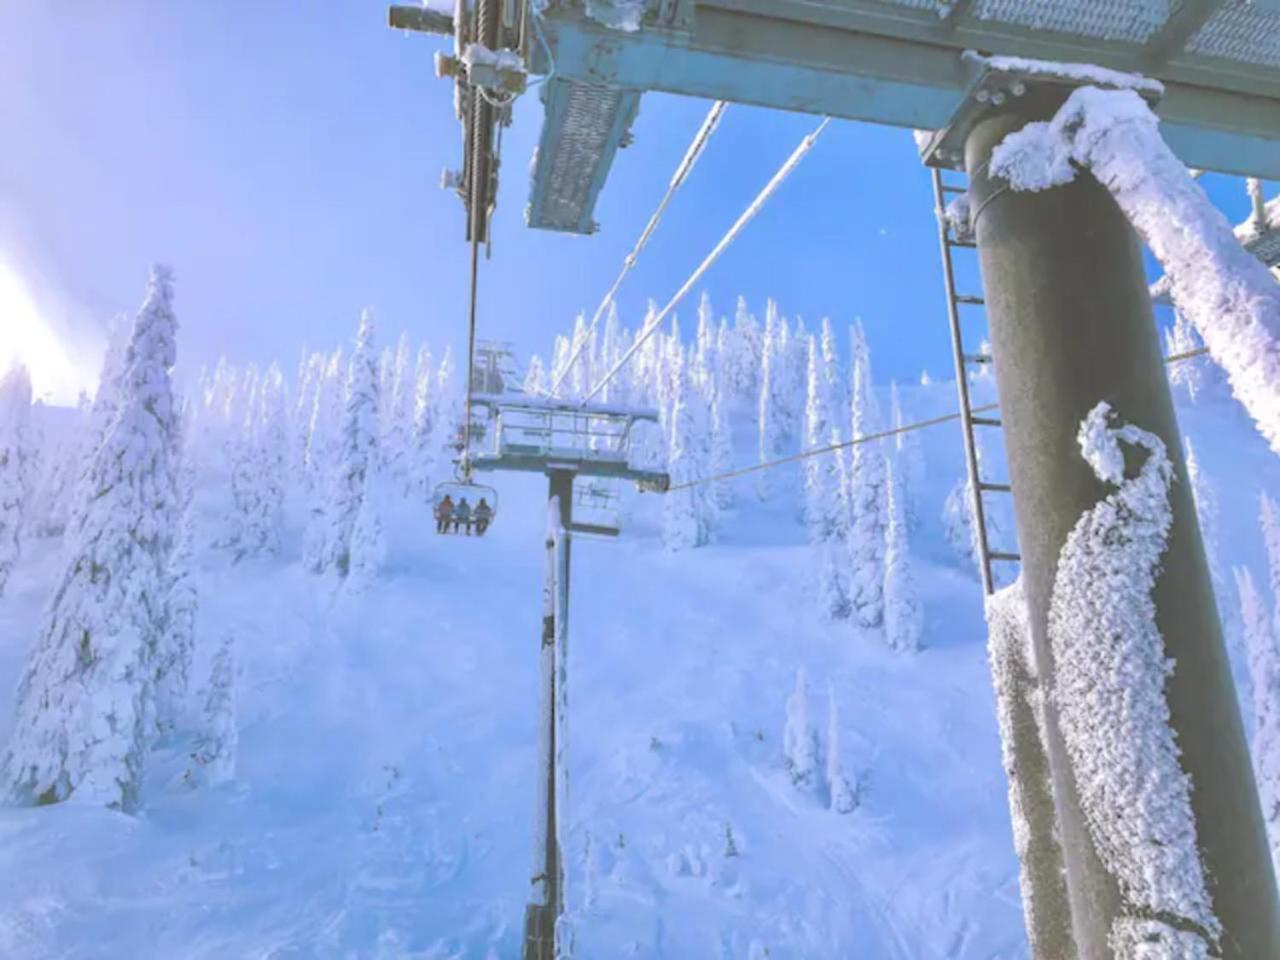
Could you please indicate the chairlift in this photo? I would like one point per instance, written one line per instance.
(481, 508)
(597, 513)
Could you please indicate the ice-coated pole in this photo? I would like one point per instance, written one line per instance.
(1071, 325)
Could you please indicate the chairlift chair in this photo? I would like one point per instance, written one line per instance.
(458, 491)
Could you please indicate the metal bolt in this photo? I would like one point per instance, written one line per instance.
(983, 95)
(1019, 88)
(998, 97)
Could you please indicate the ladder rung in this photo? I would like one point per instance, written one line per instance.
(960, 243)
(977, 358)
(969, 298)
(1011, 557)
(985, 422)
(994, 487)
(952, 188)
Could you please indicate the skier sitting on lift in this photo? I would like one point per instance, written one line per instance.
(444, 514)
(462, 515)
(483, 514)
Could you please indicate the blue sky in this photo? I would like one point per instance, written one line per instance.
(285, 159)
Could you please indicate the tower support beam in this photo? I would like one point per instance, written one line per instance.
(1071, 325)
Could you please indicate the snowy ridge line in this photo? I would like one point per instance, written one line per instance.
(747, 216)
(678, 178)
(1229, 295)
(1109, 690)
(880, 435)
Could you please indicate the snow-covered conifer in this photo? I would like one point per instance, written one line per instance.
(746, 355)
(214, 756)
(535, 378)
(720, 453)
(903, 623)
(1264, 671)
(258, 468)
(800, 751)
(841, 795)
(704, 353)
(686, 517)
(826, 510)
(867, 523)
(176, 649)
(83, 718)
(1194, 377)
(15, 412)
(910, 458)
(356, 464)
(1269, 516)
(397, 416)
(423, 442)
(448, 400)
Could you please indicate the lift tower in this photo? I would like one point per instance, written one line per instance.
(564, 441)
(1066, 299)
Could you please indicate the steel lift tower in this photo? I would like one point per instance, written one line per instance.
(1064, 292)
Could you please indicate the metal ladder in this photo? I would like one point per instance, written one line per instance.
(949, 241)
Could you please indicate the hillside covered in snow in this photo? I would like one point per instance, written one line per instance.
(318, 738)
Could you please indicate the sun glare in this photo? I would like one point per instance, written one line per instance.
(25, 338)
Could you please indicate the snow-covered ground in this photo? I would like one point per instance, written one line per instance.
(384, 792)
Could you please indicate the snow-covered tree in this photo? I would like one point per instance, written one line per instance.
(55, 490)
(176, 649)
(15, 412)
(535, 378)
(326, 413)
(705, 346)
(258, 469)
(1194, 377)
(866, 493)
(214, 757)
(903, 623)
(720, 457)
(842, 797)
(745, 356)
(687, 513)
(826, 509)
(1269, 515)
(910, 457)
(1206, 501)
(397, 416)
(1264, 670)
(800, 752)
(83, 718)
(355, 472)
(424, 444)
(771, 417)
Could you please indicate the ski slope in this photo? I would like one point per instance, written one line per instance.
(384, 795)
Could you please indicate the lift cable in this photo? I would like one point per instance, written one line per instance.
(691, 156)
(656, 321)
(471, 362)
(868, 438)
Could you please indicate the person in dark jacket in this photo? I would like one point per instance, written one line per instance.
(444, 514)
(483, 515)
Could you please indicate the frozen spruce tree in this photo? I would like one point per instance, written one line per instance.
(910, 458)
(176, 648)
(1194, 377)
(841, 795)
(903, 623)
(83, 719)
(746, 355)
(535, 378)
(1264, 670)
(321, 465)
(800, 738)
(866, 493)
(355, 466)
(423, 442)
(721, 438)
(686, 516)
(15, 412)
(214, 757)
(826, 509)
(1269, 515)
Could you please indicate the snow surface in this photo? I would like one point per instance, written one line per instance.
(1110, 674)
(1230, 296)
(386, 756)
